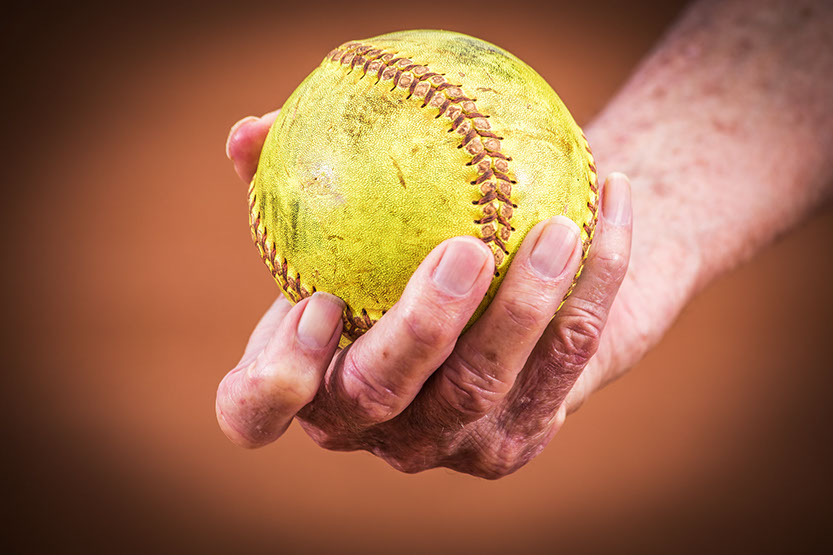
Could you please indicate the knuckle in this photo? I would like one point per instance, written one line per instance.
(425, 329)
(526, 313)
(500, 452)
(611, 266)
(251, 412)
(488, 452)
(501, 460)
(470, 390)
(371, 400)
(579, 335)
(281, 382)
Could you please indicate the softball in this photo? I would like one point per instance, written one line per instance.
(399, 142)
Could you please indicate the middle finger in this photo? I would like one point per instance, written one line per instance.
(489, 356)
(382, 371)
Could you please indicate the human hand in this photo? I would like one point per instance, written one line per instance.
(412, 390)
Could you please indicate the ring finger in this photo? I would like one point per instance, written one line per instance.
(487, 358)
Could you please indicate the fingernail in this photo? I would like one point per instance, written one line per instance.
(459, 267)
(319, 321)
(616, 200)
(554, 247)
(234, 129)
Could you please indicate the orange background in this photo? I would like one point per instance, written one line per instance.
(131, 286)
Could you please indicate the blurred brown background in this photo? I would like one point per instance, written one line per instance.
(131, 285)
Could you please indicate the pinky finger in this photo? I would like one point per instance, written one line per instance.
(573, 336)
(256, 402)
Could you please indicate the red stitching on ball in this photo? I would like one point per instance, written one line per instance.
(463, 115)
(494, 183)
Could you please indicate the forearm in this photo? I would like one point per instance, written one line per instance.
(726, 131)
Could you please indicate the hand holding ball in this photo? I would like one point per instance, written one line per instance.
(399, 142)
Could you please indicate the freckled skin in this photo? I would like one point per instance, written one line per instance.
(705, 198)
(389, 181)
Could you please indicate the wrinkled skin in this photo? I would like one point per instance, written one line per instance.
(711, 187)
(409, 390)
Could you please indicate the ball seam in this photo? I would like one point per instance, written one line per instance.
(492, 165)
(494, 179)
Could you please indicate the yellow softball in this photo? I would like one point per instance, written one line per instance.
(399, 142)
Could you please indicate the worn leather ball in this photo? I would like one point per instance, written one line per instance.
(398, 142)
